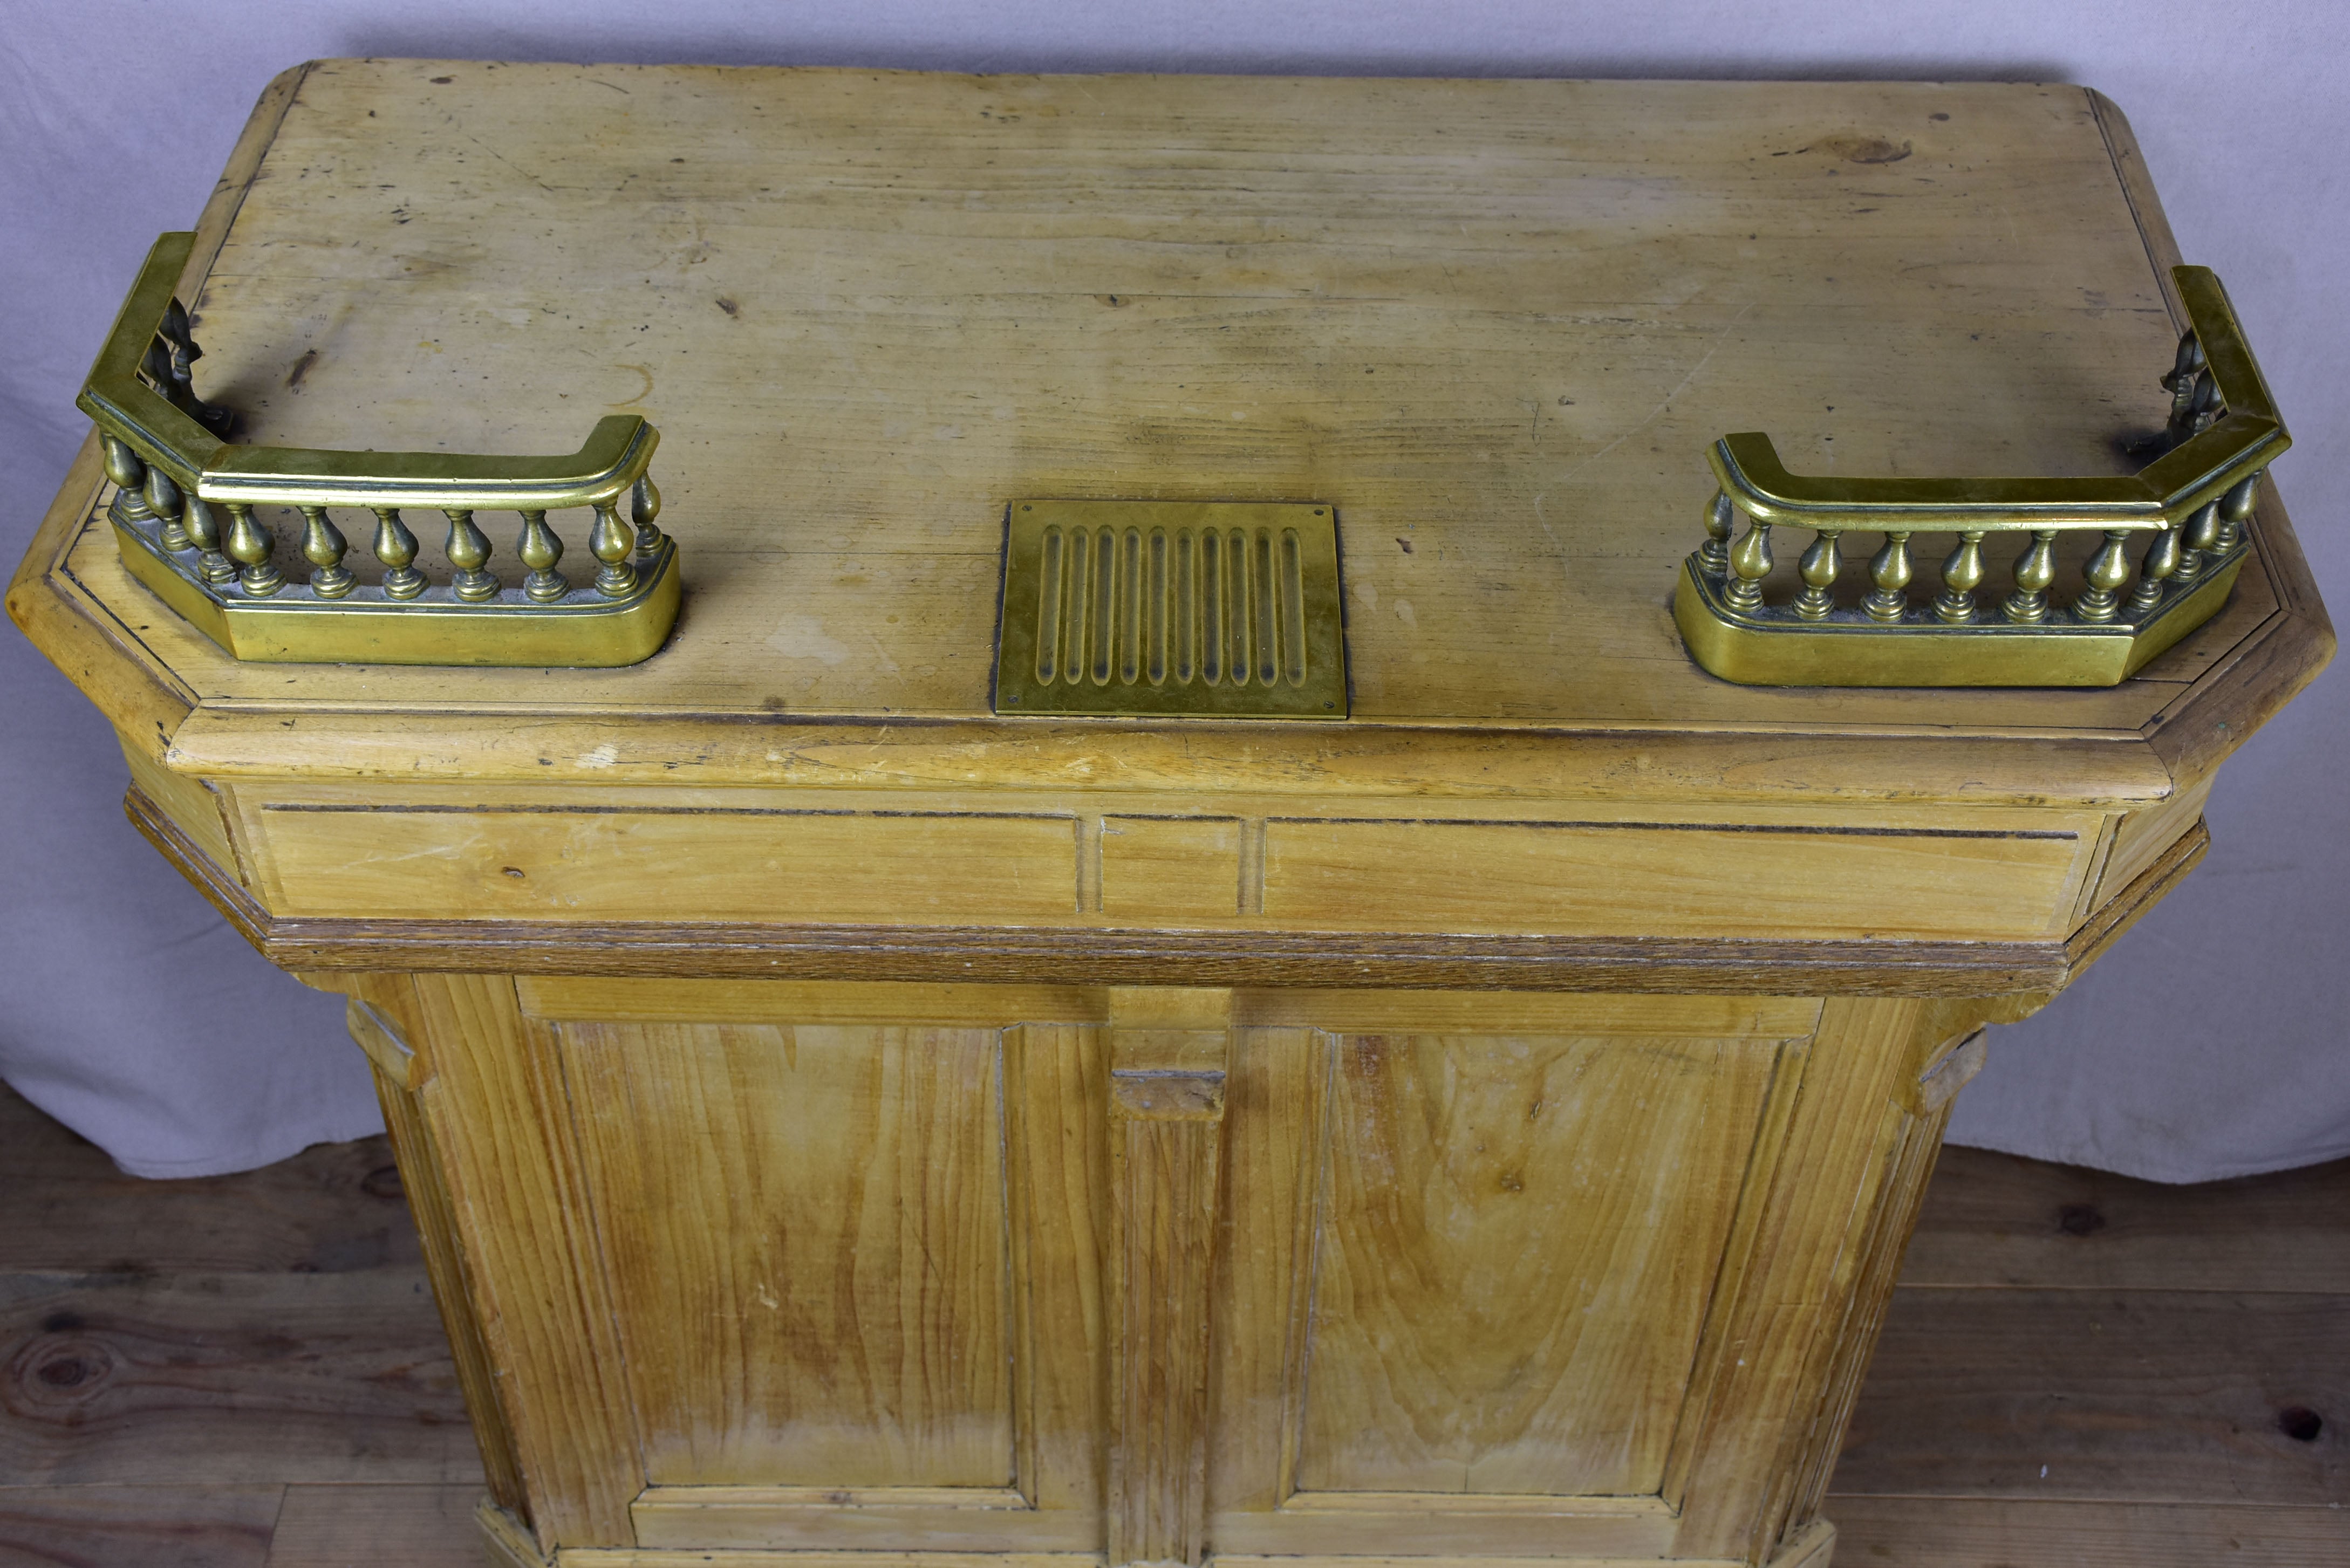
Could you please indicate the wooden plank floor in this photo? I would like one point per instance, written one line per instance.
(2079, 1369)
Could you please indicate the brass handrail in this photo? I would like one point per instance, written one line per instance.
(171, 463)
(2197, 498)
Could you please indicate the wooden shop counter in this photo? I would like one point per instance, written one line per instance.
(859, 1101)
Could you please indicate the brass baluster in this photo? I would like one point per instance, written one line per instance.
(2235, 511)
(644, 506)
(2106, 570)
(2198, 534)
(249, 544)
(609, 542)
(164, 505)
(1713, 555)
(395, 547)
(1962, 574)
(2035, 569)
(203, 532)
(1890, 571)
(323, 546)
(1751, 561)
(2161, 561)
(1819, 567)
(128, 472)
(468, 550)
(540, 550)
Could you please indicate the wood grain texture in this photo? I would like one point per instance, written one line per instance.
(1517, 1240)
(2161, 1394)
(1606, 877)
(453, 1292)
(497, 1118)
(1940, 1532)
(2281, 1229)
(376, 1527)
(891, 867)
(1994, 1221)
(845, 1519)
(1256, 959)
(187, 1379)
(1168, 1080)
(1772, 1342)
(95, 649)
(1351, 1262)
(99, 1527)
(811, 1287)
(1371, 263)
(332, 1208)
(1907, 1166)
(1057, 1101)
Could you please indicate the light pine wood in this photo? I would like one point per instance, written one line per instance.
(811, 1288)
(1506, 1293)
(495, 1113)
(852, 1130)
(381, 1020)
(1170, 1054)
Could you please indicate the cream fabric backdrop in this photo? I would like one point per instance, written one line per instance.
(2207, 1043)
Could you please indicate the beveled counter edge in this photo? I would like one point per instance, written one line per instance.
(1351, 960)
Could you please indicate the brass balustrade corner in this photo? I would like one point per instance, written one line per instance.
(2196, 501)
(175, 476)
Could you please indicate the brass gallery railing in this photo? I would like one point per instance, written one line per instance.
(184, 519)
(2191, 504)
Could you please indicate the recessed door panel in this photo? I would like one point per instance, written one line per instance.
(1514, 1241)
(806, 1234)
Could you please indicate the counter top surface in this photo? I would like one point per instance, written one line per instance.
(1494, 322)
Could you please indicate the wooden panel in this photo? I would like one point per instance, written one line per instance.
(1517, 1243)
(716, 865)
(497, 1118)
(2144, 834)
(1526, 1012)
(1771, 1343)
(1971, 1533)
(1456, 1536)
(1057, 1089)
(191, 803)
(1661, 879)
(181, 1526)
(1171, 868)
(428, 1195)
(812, 1282)
(1165, 1139)
(2175, 1394)
(1995, 1220)
(850, 1519)
(805, 1002)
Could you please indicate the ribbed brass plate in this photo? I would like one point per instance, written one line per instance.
(1152, 609)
